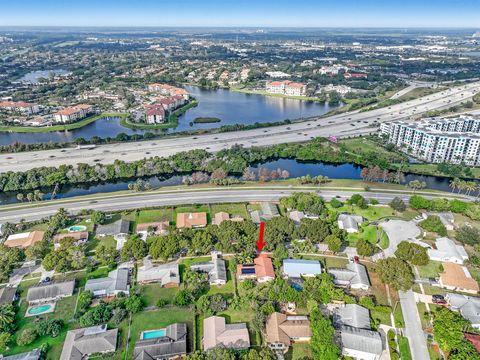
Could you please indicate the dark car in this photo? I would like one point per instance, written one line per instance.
(438, 299)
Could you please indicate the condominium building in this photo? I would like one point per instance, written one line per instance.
(154, 114)
(74, 113)
(437, 140)
(20, 106)
(286, 88)
(168, 90)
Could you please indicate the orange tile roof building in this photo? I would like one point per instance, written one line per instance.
(168, 90)
(20, 106)
(191, 220)
(282, 330)
(457, 277)
(261, 269)
(24, 240)
(286, 87)
(74, 113)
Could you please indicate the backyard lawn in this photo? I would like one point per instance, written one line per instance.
(299, 351)
(154, 215)
(232, 209)
(431, 270)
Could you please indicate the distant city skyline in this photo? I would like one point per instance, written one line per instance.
(238, 13)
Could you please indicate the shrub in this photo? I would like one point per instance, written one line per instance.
(335, 203)
(398, 204)
(27, 336)
(433, 224)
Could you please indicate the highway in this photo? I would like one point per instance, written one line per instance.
(127, 201)
(342, 125)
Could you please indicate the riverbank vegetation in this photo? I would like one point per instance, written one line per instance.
(206, 120)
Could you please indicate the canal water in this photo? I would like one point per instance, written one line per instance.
(294, 167)
(230, 107)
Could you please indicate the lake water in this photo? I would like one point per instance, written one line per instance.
(231, 107)
(33, 76)
(295, 169)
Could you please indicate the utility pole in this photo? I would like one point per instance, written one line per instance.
(54, 192)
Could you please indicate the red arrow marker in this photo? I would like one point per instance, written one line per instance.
(260, 242)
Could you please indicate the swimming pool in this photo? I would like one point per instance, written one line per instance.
(77, 228)
(37, 310)
(152, 334)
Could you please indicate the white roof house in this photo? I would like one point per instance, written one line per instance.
(447, 251)
(166, 274)
(349, 222)
(354, 276)
(468, 306)
(116, 282)
(297, 268)
(216, 270)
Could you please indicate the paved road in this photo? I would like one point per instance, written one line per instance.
(113, 202)
(413, 326)
(348, 124)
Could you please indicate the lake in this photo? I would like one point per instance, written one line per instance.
(33, 76)
(231, 107)
(294, 167)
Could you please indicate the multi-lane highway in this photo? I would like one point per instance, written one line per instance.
(348, 124)
(125, 201)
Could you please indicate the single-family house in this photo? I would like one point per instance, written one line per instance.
(7, 294)
(298, 268)
(191, 220)
(261, 270)
(24, 240)
(158, 228)
(457, 277)
(115, 283)
(81, 343)
(447, 251)
(172, 345)
(282, 330)
(468, 306)
(167, 275)
(35, 354)
(349, 222)
(217, 333)
(216, 269)
(446, 218)
(118, 229)
(221, 217)
(268, 211)
(358, 341)
(50, 292)
(296, 216)
(80, 237)
(354, 276)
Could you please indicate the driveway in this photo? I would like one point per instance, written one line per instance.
(398, 231)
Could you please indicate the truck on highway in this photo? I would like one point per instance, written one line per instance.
(88, 146)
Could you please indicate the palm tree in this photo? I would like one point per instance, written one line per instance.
(454, 184)
(20, 197)
(7, 315)
(470, 186)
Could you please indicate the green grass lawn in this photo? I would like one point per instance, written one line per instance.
(153, 215)
(299, 351)
(232, 209)
(404, 348)
(431, 270)
(422, 310)
(370, 213)
(367, 232)
(153, 292)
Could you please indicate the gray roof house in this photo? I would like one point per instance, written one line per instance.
(357, 339)
(116, 228)
(268, 211)
(349, 222)
(446, 218)
(447, 251)
(81, 343)
(354, 276)
(50, 292)
(297, 268)
(468, 306)
(173, 344)
(116, 282)
(216, 270)
(166, 274)
(35, 354)
(7, 295)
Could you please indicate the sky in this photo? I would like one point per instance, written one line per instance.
(235, 13)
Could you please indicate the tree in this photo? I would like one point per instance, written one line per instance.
(164, 247)
(398, 204)
(118, 314)
(334, 243)
(364, 248)
(5, 339)
(313, 230)
(97, 315)
(322, 341)
(308, 202)
(106, 255)
(335, 203)
(417, 185)
(84, 300)
(20, 197)
(265, 353)
(98, 217)
(134, 248)
(468, 235)
(396, 273)
(26, 337)
(134, 304)
(359, 201)
(434, 224)
(278, 230)
(7, 317)
(321, 289)
(50, 327)
(413, 253)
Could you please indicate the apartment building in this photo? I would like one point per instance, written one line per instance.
(437, 140)
(286, 87)
(168, 90)
(74, 113)
(155, 114)
(20, 106)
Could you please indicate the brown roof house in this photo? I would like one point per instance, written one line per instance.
(457, 277)
(191, 220)
(152, 228)
(80, 237)
(261, 269)
(224, 216)
(283, 329)
(24, 240)
(81, 343)
(216, 333)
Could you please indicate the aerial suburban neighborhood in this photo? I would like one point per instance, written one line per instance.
(253, 180)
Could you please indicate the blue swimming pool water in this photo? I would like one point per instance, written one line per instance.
(39, 309)
(153, 334)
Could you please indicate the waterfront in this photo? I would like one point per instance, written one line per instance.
(295, 169)
(231, 107)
